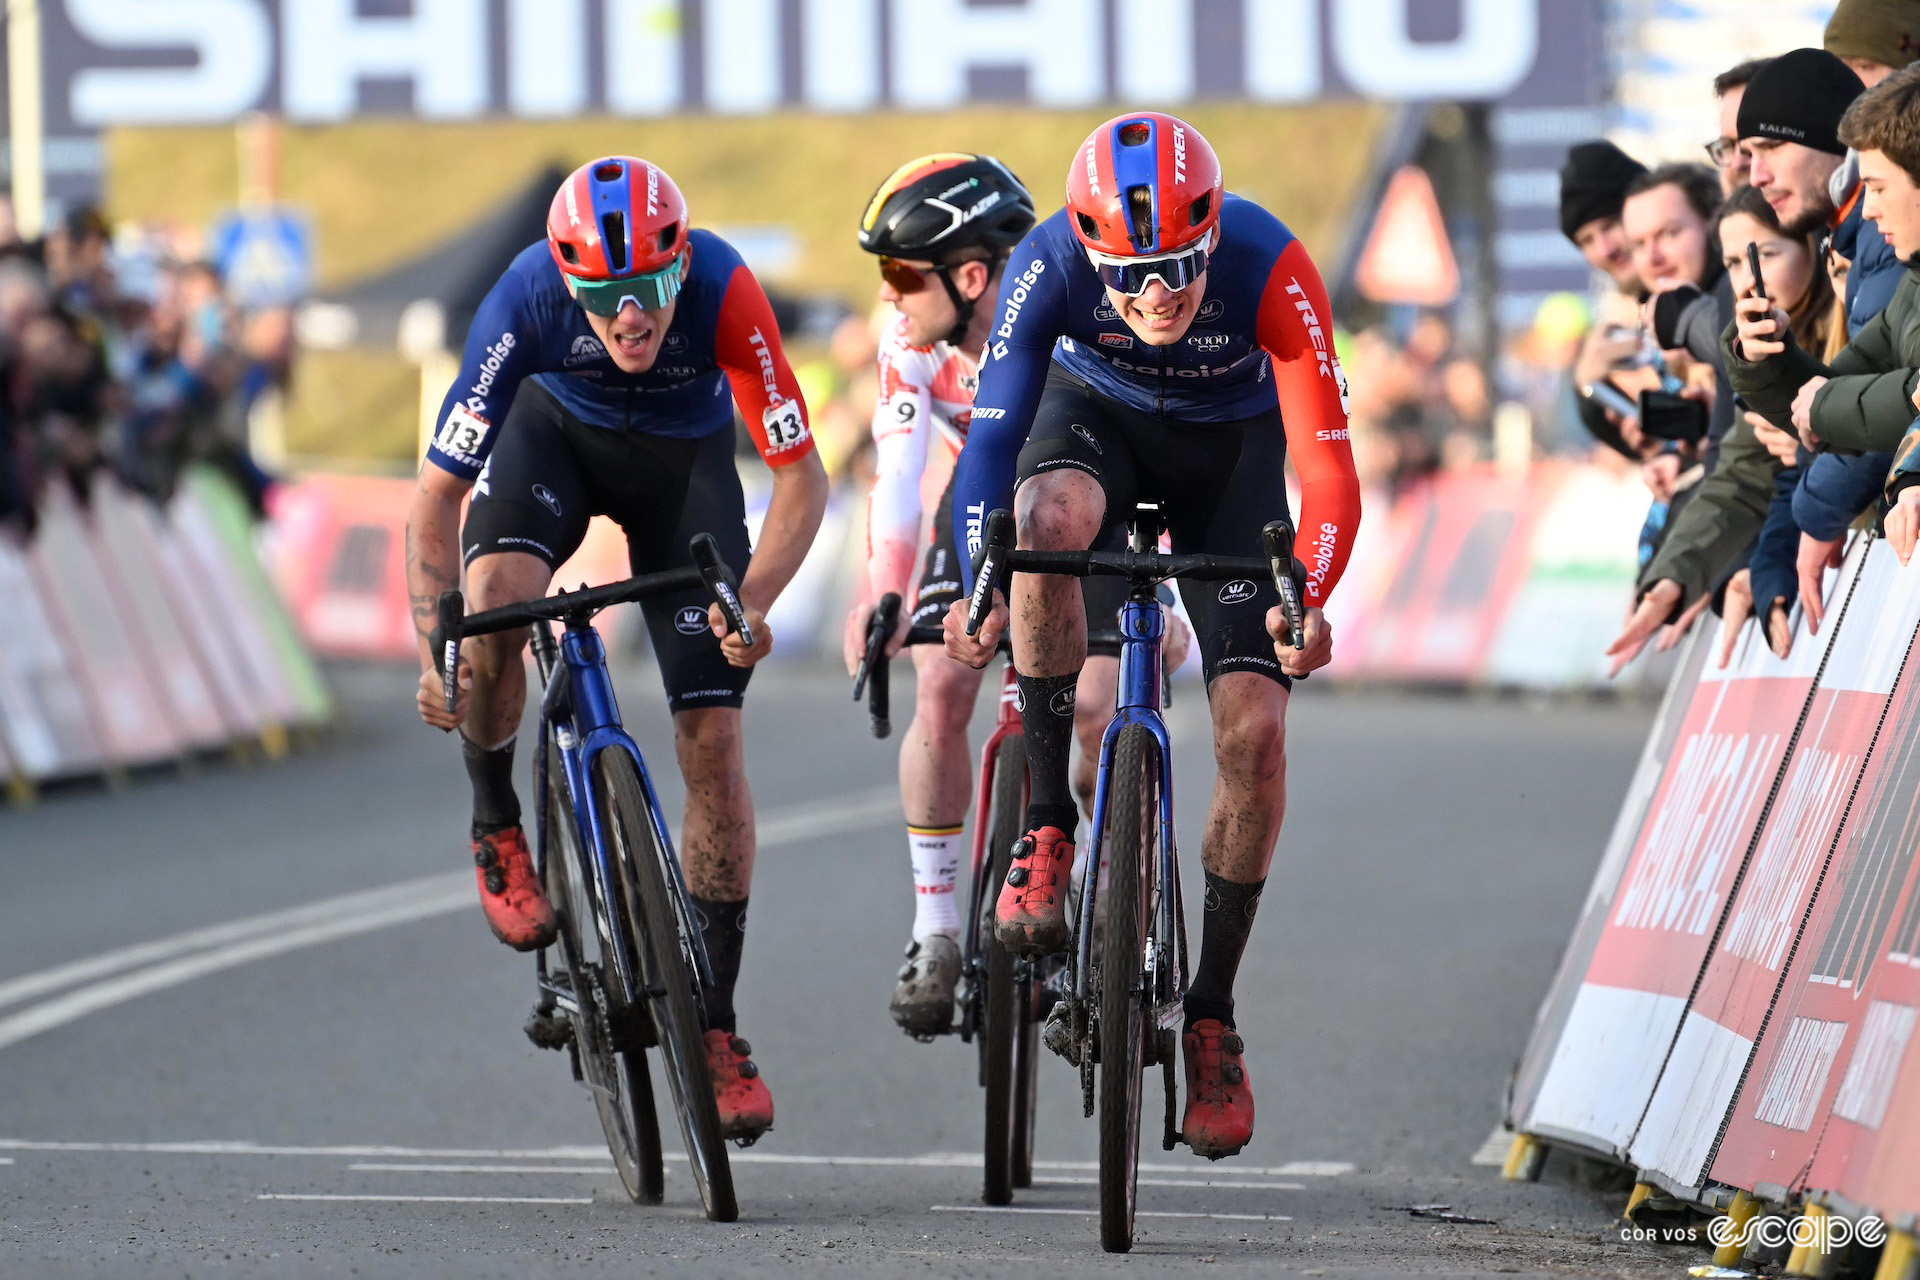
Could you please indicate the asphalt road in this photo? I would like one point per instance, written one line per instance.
(343, 1088)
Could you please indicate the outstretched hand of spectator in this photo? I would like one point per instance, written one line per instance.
(1783, 445)
(1803, 411)
(1676, 631)
(1735, 609)
(1813, 560)
(1903, 523)
(1647, 617)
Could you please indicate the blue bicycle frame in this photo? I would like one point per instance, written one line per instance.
(1142, 623)
(579, 704)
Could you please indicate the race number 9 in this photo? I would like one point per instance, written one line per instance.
(785, 427)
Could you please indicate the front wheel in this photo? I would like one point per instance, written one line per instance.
(1133, 820)
(668, 978)
(1005, 1012)
(615, 1072)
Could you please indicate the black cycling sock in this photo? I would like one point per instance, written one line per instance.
(495, 805)
(1046, 717)
(723, 927)
(1224, 925)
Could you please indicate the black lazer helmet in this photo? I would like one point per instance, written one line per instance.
(944, 209)
(938, 207)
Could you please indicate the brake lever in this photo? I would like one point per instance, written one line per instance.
(993, 568)
(724, 586)
(876, 667)
(1287, 576)
(444, 644)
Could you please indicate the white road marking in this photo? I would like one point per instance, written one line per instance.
(1173, 1182)
(1493, 1152)
(598, 1155)
(378, 1167)
(1091, 1213)
(153, 966)
(270, 1195)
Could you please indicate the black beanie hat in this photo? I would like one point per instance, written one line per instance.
(1800, 97)
(1593, 184)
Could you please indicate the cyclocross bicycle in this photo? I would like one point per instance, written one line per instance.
(1001, 997)
(1125, 998)
(631, 973)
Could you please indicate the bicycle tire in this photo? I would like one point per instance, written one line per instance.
(1026, 1085)
(1132, 820)
(669, 979)
(627, 1117)
(1000, 1038)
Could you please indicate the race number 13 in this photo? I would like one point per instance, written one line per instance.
(785, 427)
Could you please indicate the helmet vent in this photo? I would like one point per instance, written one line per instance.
(1135, 134)
(668, 234)
(1140, 210)
(1088, 227)
(613, 234)
(609, 171)
(570, 253)
(1197, 211)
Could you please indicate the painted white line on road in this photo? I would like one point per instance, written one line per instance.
(377, 1167)
(218, 1148)
(1493, 1152)
(433, 1199)
(1291, 1169)
(1090, 1213)
(1174, 1182)
(167, 962)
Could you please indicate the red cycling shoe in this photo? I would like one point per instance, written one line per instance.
(1030, 916)
(510, 893)
(1219, 1117)
(746, 1107)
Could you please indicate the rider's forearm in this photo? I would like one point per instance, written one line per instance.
(793, 518)
(433, 556)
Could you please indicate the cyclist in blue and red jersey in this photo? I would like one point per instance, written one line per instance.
(596, 381)
(1161, 340)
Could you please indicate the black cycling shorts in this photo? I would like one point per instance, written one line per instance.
(549, 473)
(940, 583)
(1217, 483)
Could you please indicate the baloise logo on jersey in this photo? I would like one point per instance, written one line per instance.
(1016, 300)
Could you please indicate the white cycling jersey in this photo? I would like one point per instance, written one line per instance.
(925, 392)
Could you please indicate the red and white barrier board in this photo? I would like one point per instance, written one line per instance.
(1628, 830)
(1689, 853)
(1737, 991)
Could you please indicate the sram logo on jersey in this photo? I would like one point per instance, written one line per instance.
(1312, 321)
(586, 348)
(984, 414)
(1017, 299)
(1338, 434)
(490, 369)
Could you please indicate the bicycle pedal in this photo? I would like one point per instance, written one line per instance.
(547, 1031)
(749, 1140)
(1057, 1034)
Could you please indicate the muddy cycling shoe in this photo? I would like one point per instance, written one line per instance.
(1030, 916)
(1057, 1033)
(746, 1108)
(923, 998)
(516, 906)
(1219, 1118)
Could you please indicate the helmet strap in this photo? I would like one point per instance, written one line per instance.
(962, 306)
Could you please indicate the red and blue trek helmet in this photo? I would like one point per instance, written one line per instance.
(617, 229)
(1145, 185)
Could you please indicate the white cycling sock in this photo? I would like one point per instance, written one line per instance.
(936, 856)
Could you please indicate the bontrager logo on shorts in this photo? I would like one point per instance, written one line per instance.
(691, 620)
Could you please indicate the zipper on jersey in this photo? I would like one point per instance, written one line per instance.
(1160, 395)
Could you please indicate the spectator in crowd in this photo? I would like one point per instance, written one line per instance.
(1874, 38)
(1729, 87)
(1789, 121)
(1593, 187)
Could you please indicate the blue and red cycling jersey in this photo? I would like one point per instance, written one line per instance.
(722, 333)
(1263, 334)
